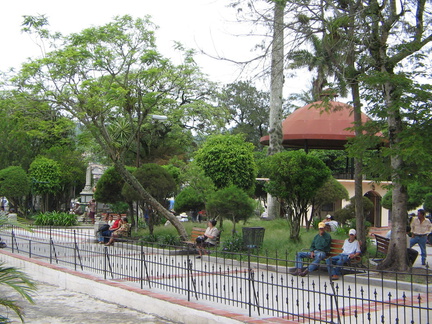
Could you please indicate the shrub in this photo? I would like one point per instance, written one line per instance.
(233, 243)
(55, 219)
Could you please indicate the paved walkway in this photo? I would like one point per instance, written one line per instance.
(297, 289)
(54, 305)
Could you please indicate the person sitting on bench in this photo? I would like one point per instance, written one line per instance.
(350, 250)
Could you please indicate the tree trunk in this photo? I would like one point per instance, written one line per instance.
(396, 258)
(132, 181)
(276, 94)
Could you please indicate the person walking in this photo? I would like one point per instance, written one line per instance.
(318, 251)
(420, 228)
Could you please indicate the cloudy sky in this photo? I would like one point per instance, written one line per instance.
(200, 24)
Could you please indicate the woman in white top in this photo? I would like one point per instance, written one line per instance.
(209, 239)
(350, 250)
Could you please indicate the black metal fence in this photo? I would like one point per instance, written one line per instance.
(257, 285)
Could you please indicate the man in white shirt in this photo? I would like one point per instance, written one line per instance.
(421, 228)
(350, 250)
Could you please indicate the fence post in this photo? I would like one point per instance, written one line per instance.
(250, 283)
(50, 245)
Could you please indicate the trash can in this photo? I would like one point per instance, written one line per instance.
(253, 237)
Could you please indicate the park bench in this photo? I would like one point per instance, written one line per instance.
(336, 249)
(382, 245)
(198, 231)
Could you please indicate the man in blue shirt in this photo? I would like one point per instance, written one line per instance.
(318, 251)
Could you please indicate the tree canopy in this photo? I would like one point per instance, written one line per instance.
(228, 160)
(295, 178)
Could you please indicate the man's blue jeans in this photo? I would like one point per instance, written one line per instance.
(421, 241)
(319, 255)
(338, 260)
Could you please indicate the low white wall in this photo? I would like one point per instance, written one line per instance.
(141, 300)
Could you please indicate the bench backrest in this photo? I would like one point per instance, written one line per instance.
(336, 247)
(382, 243)
(198, 231)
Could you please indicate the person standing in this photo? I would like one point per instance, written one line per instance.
(318, 251)
(420, 228)
(92, 210)
(350, 250)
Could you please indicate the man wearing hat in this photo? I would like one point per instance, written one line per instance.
(350, 250)
(318, 251)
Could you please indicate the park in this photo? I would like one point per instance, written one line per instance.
(208, 192)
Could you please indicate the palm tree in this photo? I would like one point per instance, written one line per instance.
(18, 281)
(13, 279)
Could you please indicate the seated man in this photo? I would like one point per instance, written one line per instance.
(350, 250)
(318, 251)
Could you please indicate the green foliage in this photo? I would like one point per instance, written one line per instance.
(248, 108)
(416, 196)
(189, 199)
(168, 239)
(109, 186)
(21, 283)
(55, 219)
(156, 180)
(119, 207)
(331, 191)
(45, 175)
(348, 212)
(427, 205)
(295, 178)
(230, 203)
(233, 243)
(14, 185)
(228, 160)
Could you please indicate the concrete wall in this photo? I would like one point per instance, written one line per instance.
(144, 301)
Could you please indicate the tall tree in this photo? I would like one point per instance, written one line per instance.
(114, 74)
(249, 110)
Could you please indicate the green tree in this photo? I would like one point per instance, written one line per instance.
(248, 108)
(15, 186)
(295, 178)
(45, 178)
(230, 203)
(330, 192)
(189, 199)
(228, 160)
(111, 78)
(427, 205)
(18, 281)
(158, 183)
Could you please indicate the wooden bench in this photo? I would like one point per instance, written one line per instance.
(198, 231)
(336, 249)
(382, 245)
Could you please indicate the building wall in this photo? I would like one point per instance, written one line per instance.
(369, 186)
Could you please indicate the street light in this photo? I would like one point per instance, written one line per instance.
(159, 117)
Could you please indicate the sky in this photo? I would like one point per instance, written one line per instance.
(208, 25)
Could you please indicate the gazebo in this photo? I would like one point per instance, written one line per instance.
(319, 125)
(329, 125)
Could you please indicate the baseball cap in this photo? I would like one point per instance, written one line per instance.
(328, 216)
(321, 225)
(352, 231)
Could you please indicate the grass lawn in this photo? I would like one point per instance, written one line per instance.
(276, 238)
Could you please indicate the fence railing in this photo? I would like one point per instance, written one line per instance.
(257, 285)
